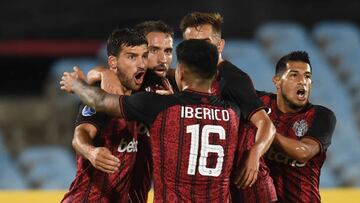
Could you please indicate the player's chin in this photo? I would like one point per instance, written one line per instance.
(136, 86)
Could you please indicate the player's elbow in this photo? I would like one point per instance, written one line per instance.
(74, 143)
(303, 156)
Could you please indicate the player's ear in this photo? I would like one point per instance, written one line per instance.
(221, 45)
(112, 61)
(276, 81)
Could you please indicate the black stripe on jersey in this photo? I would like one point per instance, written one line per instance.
(103, 187)
(162, 150)
(256, 192)
(228, 138)
(87, 191)
(180, 150)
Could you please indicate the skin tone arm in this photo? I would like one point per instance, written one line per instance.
(100, 157)
(263, 139)
(109, 81)
(301, 150)
(92, 96)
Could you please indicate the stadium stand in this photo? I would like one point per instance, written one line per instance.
(334, 49)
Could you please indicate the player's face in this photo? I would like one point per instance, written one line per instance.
(204, 32)
(160, 47)
(131, 66)
(294, 85)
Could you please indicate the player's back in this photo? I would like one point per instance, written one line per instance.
(193, 147)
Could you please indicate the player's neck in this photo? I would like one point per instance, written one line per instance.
(220, 59)
(125, 90)
(284, 106)
(198, 86)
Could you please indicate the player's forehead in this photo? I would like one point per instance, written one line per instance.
(139, 49)
(204, 31)
(159, 39)
(297, 66)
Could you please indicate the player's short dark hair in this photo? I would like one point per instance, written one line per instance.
(199, 56)
(195, 19)
(292, 56)
(154, 26)
(123, 37)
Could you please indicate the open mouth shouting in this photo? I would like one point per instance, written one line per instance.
(139, 77)
(160, 70)
(301, 94)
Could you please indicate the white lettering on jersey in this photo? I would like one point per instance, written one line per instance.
(205, 113)
(126, 146)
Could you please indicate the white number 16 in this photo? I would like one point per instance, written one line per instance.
(205, 149)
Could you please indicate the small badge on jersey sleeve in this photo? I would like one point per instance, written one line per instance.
(300, 128)
(88, 111)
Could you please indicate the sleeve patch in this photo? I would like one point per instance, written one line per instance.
(88, 111)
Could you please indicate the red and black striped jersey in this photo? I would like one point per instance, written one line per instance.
(295, 181)
(194, 137)
(121, 138)
(236, 86)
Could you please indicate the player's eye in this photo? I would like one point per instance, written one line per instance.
(131, 56)
(153, 51)
(168, 51)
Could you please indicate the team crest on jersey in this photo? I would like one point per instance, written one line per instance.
(300, 128)
(88, 111)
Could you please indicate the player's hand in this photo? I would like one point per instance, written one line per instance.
(69, 79)
(247, 175)
(102, 159)
(109, 80)
(168, 90)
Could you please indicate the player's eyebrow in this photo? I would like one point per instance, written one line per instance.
(154, 47)
(131, 53)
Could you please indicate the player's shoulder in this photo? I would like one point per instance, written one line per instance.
(226, 67)
(232, 105)
(88, 111)
(323, 111)
(151, 98)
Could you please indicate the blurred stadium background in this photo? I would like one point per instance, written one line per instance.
(41, 39)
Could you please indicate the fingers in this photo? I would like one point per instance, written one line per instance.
(246, 178)
(239, 177)
(251, 178)
(164, 92)
(167, 86)
(105, 161)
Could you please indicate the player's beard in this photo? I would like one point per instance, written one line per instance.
(127, 82)
(290, 104)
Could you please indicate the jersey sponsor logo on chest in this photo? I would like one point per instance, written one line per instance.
(205, 113)
(280, 157)
(126, 146)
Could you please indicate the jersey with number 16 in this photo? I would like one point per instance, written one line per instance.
(193, 138)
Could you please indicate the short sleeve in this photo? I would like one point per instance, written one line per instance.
(238, 88)
(323, 126)
(87, 114)
(142, 106)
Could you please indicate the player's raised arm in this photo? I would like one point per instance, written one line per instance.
(92, 96)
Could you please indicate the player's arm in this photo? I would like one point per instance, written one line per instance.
(263, 139)
(109, 81)
(317, 138)
(242, 91)
(92, 96)
(100, 157)
(301, 150)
